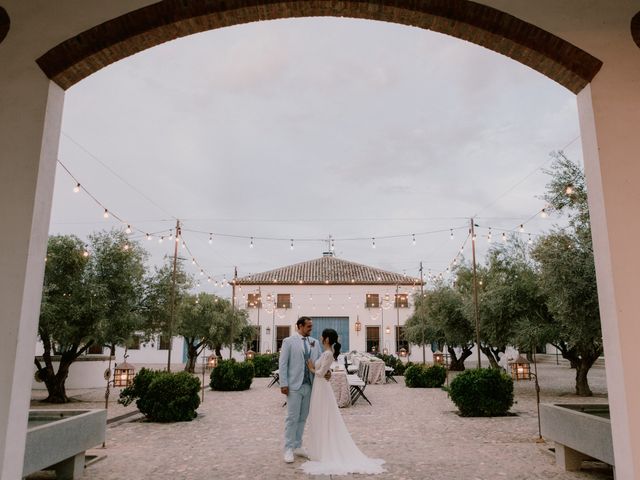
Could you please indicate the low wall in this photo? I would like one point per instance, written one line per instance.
(86, 372)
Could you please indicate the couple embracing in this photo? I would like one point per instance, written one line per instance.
(305, 365)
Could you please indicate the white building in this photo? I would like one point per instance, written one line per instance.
(367, 306)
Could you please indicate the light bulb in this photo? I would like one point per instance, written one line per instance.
(201, 272)
(373, 242)
(413, 239)
(128, 229)
(451, 234)
(161, 239)
(251, 244)
(529, 241)
(210, 238)
(76, 189)
(291, 244)
(209, 279)
(504, 237)
(569, 190)
(184, 245)
(106, 213)
(170, 234)
(149, 237)
(543, 213)
(193, 261)
(126, 247)
(521, 228)
(85, 253)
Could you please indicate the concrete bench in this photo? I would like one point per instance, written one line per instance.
(58, 439)
(580, 432)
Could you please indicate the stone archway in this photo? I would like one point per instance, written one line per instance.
(86, 53)
(551, 37)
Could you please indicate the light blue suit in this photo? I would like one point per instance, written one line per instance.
(291, 371)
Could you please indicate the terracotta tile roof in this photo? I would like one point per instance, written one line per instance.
(327, 270)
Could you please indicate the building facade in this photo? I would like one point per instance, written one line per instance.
(367, 306)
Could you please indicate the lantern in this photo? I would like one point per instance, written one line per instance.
(385, 351)
(212, 361)
(521, 369)
(438, 358)
(268, 352)
(373, 349)
(250, 354)
(402, 352)
(387, 330)
(123, 375)
(268, 331)
(358, 325)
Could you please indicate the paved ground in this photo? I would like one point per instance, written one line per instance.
(417, 431)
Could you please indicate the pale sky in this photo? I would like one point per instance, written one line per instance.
(307, 128)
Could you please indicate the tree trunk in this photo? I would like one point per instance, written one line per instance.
(457, 364)
(192, 357)
(582, 382)
(56, 382)
(217, 349)
(489, 353)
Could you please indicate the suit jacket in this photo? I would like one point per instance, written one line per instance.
(291, 365)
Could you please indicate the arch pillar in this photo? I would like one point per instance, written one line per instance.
(31, 105)
(609, 114)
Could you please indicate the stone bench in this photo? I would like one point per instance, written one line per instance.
(58, 439)
(580, 432)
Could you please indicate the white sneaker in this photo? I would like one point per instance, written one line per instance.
(301, 452)
(288, 456)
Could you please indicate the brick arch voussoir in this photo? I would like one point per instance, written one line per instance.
(5, 23)
(80, 56)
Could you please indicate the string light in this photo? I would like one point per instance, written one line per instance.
(529, 241)
(161, 239)
(193, 261)
(106, 213)
(333, 245)
(128, 229)
(126, 247)
(251, 244)
(85, 253)
(504, 238)
(543, 213)
(451, 234)
(413, 239)
(201, 273)
(373, 242)
(149, 236)
(291, 244)
(521, 228)
(210, 238)
(170, 235)
(76, 189)
(569, 190)
(489, 235)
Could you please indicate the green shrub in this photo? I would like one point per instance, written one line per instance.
(395, 363)
(230, 375)
(484, 392)
(424, 376)
(265, 364)
(164, 396)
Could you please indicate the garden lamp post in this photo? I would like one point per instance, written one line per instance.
(438, 358)
(521, 370)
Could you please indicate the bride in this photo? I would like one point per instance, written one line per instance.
(331, 449)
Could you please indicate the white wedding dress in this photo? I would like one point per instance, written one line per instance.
(329, 444)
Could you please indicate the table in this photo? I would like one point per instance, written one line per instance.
(340, 387)
(376, 370)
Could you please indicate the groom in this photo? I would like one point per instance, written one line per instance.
(295, 382)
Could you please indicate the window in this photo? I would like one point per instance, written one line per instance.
(372, 301)
(400, 340)
(255, 343)
(134, 342)
(95, 349)
(373, 339)
(282, 332)
(284, 300)
(164, 342)
(254, 300)
(402, 300)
